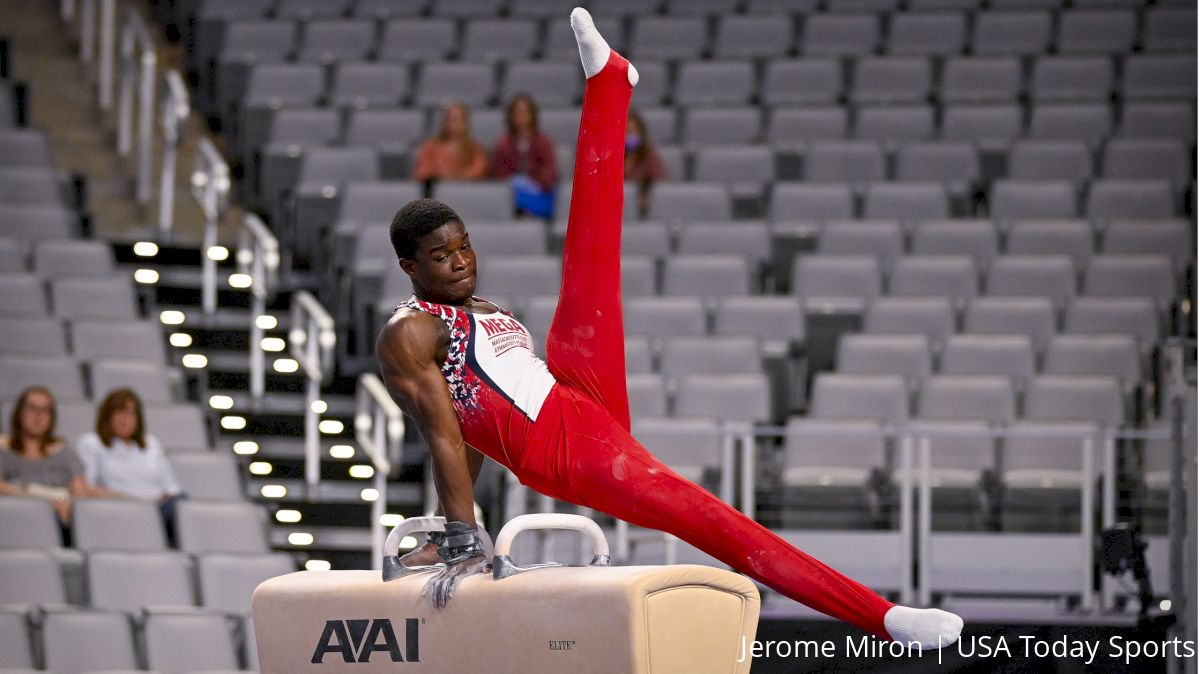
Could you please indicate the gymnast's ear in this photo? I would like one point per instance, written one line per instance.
(409, 266)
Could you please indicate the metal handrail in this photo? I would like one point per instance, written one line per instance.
(258, 257)
(174, 109)
(210, 187)
(379, 430)
(311, 341)
(139, 58)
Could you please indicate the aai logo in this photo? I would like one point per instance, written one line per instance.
(358, 640)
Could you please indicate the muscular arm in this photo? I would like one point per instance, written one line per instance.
(407, 350)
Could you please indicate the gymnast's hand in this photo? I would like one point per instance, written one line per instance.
(440, 588)
(426, 555)
(462, 551)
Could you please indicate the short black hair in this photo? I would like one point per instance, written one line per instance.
(416, 219)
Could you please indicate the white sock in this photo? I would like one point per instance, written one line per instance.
(593, 50)
(931, 627)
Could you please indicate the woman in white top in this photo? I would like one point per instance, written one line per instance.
(122, 457)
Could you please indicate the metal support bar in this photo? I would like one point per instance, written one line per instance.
(379, 430)
(258, 257)
(87, 31)
(139, 59)
(749, 465)
(210, 187)
(175, 110)
(108, 31)
(1087, 533)
(906, 521)
(925, 517)
(311, 342)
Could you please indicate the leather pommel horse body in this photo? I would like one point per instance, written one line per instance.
(543, 618)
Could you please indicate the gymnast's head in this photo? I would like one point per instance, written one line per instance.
(434, 249)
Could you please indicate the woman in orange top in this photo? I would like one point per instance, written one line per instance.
(452, 154)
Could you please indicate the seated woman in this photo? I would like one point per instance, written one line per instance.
(122, 458)
(643, 166)
(526, 156)
(35, 462)
(452, 154)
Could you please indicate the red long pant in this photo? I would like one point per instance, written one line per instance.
(580, 449)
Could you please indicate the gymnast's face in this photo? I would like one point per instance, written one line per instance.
(443, 269)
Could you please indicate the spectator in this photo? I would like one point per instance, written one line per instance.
(643, 166)
(120, 456)
(452, 154)
(35, 462)
(526, 155)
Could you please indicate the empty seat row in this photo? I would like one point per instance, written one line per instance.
(55, 258)
(744, 398)
(89, 339)
(108, 297)
(154, 382)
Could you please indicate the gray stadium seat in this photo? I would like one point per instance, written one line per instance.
(981, 79)
(310, 10)
(883, 398)
(929, 316)
(1131, 275)
(418, 40)
(747, 37)
(1071, 78)
(22, 295)
(550, 84)
(647, 395)
(28, 522)
(1030, 316)
(477, 201)
(1049, 276)
(30, 577)
(1009, 355)
(442, 83)
(61, 376)
(331, 40)
(468, 8)
(990, 126)
(809, 81)
(1156, 76)
(31, 186)
(1091, 122)
(976, 238)
(508, 238)
(838, 280)
(668, 37)
(180, 427)
(854, 161)
(720, 126)
(1012, 33)
(1158, 119)
(675, 202)
(908, 202)
(1169, 29)
(117, 524)
(127, 581)
(904, 355)
(150, 380)
(781, 6)
(883, 240)
(687, 445)
(118, 339)
(877, 6)
(951, 162)
(960, 451)
(1112, 355)
(36, 222)
(729, 397)
(1122, 198)
(892, 79)
(1090, 31)
(16, 647)
(815, 202)
(775, 320)
(88, 641)
(108, 298)
(189, 642)
(538, 313)
(365, 85)
(927, 33)
(1075, 398)
(714, 83)
(227, 581)
(710, 355)
(831, 452)
(751, 240)
(1041, 454)
(638, 276)
(895, 124)
(794, 127)
(968, 397)
(645, 238)
(840, 35)
(1052, 237)
(489, 39)
(383, 10)
(1140, 158)
(639, 355)
(746, 169)
(951, 276)
(12, 256)
(520, 276)
(1026, 199)
(1135, 316)
(1157, 237)
(710, 276)
(212, 526)
(32, 336)
(207, 476)
(1050, 160)
(24, 147)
